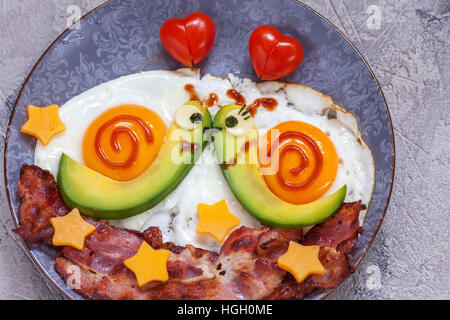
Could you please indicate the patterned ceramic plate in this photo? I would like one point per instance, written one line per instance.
(121, 37)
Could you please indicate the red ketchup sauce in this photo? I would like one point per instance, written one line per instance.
(118, 122)
(193, 95)
(268, 103)
(212, 99)
(236, 96)
(304, 160)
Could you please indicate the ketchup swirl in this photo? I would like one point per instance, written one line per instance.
(120, 126)
(304, 161)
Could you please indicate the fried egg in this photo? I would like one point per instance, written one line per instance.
(162, 93)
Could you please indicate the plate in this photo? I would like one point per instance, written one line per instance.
(121, 37)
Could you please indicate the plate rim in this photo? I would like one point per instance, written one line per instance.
(63, 291)
(391, 133)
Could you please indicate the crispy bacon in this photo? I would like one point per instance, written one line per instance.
(239, 272)
(338, 228)
(41, 201)
(101, 273)
(336, 237)
(245, 268)
(248, 261)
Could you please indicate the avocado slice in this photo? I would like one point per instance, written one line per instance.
(242, 172)
(98, 196)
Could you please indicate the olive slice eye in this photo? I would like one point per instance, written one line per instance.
(238, 122)
(196, 118)
(231, 122)
(188, 117)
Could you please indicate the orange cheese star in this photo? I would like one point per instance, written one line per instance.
(216, 220)
(71, 230)
(149, 264)
(301, 261)
(43, 123)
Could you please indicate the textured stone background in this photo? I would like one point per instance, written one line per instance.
(409, 53)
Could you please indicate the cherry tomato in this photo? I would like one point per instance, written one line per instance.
(273, 54)
(189, 40)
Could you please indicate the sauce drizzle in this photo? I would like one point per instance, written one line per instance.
(304, 162)
(120, 126)
(212, 99)
(268, 103)
(236, 96)
(193, 95)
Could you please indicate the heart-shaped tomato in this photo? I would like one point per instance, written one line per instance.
(189, 40)
(274, 55)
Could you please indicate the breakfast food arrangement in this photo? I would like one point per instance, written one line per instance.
(173, 184)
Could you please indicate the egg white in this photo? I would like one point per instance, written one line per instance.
(163, 92)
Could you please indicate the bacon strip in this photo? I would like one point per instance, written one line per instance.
(245, 268)
(336, 237)
(41, 201)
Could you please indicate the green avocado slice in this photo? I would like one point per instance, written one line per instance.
(243, 174)
(98, 196)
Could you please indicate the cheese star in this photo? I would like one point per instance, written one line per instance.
(301, 261)
(71, 230)
(43, 123)
(215, 220)
(149, 264)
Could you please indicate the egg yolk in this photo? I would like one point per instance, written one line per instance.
(123, 141)
(306, 164)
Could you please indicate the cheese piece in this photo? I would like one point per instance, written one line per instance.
(216, 220)
(43, 123)
(71, 230)
(301, 261)
(149, 264)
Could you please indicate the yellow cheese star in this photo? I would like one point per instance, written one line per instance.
(149, 264)
(71, 230)
(301, 261)
(43, 123)
(215, 220)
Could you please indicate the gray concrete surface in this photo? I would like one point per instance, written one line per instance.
(407, 44)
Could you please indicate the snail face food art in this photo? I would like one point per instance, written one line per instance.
(173, 185)
(321, 136)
